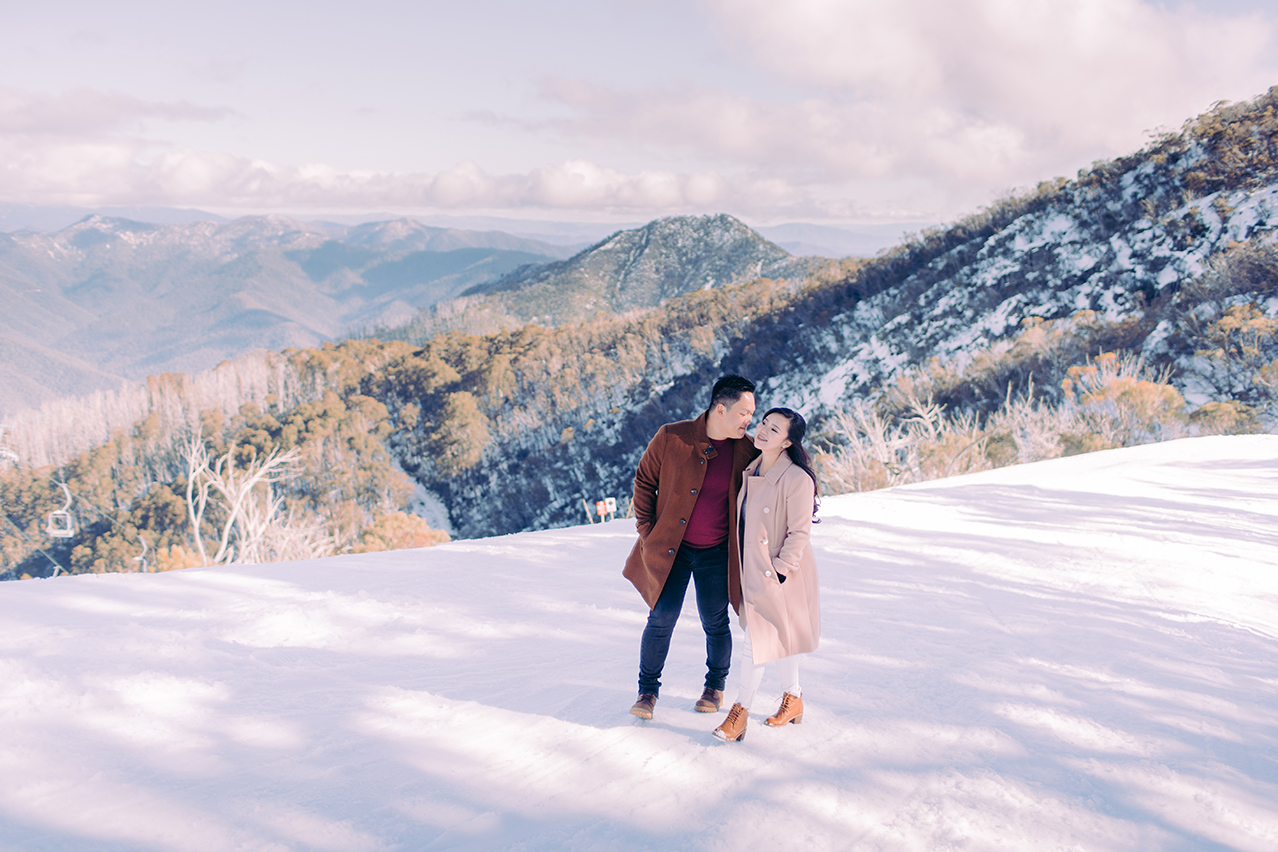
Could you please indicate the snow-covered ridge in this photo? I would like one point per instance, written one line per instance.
(1080, 653)
(1084, 251)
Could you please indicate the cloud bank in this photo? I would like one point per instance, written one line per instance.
(849, 108)
(970, 91)
(76, 149)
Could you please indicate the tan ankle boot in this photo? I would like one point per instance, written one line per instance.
(733, 728)
(790, 711)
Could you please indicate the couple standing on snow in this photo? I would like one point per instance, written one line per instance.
(732, 514)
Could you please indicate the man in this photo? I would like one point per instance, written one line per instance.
(685, 505)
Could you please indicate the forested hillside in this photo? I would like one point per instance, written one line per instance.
(1134, 303)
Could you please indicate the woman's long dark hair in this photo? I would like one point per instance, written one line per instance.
(798, 455)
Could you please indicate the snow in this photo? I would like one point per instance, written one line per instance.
(1251, 210)
(1057, 227)
(1075, 654)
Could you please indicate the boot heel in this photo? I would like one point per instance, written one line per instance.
(797, 720)
(740, 737)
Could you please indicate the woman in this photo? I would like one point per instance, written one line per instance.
(780, 610)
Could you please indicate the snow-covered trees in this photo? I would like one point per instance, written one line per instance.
(253, 524)
(263, 484)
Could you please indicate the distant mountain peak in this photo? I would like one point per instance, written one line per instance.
(272, 222)
(112, 224)
(711, 226)
(393, 234)
(406, 234)
(643, 267)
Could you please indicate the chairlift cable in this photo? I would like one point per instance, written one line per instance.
(101, 513)
(56, 565)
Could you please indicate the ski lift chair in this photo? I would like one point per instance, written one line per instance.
(61, 524)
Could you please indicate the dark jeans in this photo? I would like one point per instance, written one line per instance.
(708, 570)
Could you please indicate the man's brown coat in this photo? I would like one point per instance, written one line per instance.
(667, 482)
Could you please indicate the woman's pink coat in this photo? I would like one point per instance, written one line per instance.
(783, 618)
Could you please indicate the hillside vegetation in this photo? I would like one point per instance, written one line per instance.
(1133, 304)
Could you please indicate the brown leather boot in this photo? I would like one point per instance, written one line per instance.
(790, 711)
(733, 728)
(710, 701)
(644, 706)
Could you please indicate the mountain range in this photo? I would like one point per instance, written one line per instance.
(861, 239)
(107, 300)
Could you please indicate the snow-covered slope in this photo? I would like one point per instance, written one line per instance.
(1104, 249)
(1077, 654)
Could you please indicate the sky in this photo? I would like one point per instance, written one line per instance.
(609, 110)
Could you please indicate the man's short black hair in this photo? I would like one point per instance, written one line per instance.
(728, 390)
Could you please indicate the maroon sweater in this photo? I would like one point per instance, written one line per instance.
(708, 523)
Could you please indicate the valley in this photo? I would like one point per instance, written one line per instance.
(109, 300)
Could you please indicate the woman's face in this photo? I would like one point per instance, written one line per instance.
(772, 433)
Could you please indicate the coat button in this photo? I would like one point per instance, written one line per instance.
(703, 461)
(766, 510)
(683, 521)
(767, 573)
(670, 551)
(694, 491)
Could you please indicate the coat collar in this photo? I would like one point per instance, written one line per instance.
(699, 433)
(701, 436)
(773, 476)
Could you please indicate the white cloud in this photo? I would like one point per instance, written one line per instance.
(994, 84)
(85, 112)
(816, 139)
(918, 107)
(967, 96)
(87, 148)
(125, 171)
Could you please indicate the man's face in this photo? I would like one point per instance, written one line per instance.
(736, 420)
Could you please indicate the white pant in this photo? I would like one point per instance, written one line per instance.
(749, 676)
